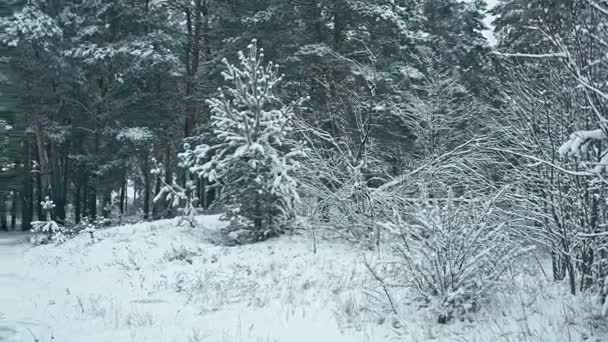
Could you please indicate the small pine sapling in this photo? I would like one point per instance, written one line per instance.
(47, 231)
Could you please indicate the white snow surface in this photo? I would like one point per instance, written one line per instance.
(126, 288)
(159, 282)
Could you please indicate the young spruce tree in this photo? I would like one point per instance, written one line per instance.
(256, 159)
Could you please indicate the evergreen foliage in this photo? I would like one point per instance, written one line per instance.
(256, 159)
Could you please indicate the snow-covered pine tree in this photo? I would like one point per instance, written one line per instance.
(256, 159)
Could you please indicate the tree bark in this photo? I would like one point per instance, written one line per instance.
(156, 205)
(93, 182)
(203, 192)
(92, 200)
(38, 200)
(168, 179)
(14, 210)
(3, 212)
(27, 196)
(147, 180)
(77, 200)
(107, 204)
(85, 195)
(194, 25)
(123, 191)
(43, 162)
(60, 181)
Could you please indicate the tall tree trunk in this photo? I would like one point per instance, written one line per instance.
(92, 200)
(168, 178)
(27, 195)
(77, 199)
(93, 182)
(210, 192)
(135, 192)
(571, 274)
(123, 191)
(14, 205)
(3, 212)
(65, 183)
(194, 25)
(156, 205)
(147, 187)
(199, 191)
(107, 204)
(39, 197)
(203, 192)
(60, 180)
(85, 195)
(43, 162)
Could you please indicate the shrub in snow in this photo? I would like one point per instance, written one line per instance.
(183, 198)
(238, 231)
(181, 253)
(255, 159)
(44, 232)
(85, 227)
(454, 252)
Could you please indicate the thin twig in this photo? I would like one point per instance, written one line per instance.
(385, 289)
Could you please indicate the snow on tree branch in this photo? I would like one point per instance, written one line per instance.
(30, 25)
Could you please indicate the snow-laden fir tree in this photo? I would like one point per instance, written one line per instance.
(255, 160)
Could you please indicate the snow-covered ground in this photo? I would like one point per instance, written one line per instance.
(158, 282)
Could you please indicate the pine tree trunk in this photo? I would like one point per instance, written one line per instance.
(147, 187)
(38, 201)
(62, 214)
(77, 200)
(123, 191)
(106, 211)
(27, 196)
(92, 200)
(168, 180)
(156, 205)
(199, 192)
(3, 212)
(14, 204)
(59, 188)
(194, 25)
(42, 157)
(203, 192)
(257, 221)
(85, 195)
(135, 192)
(93, 181)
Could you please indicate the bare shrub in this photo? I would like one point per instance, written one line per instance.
(181, 253)
(453, 251)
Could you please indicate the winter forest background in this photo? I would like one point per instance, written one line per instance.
(458, 143)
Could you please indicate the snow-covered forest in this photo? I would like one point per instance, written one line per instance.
(303, 170)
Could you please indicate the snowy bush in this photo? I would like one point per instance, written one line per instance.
(255, 160)
(181, 253)
(454, 252)
(86, 228)
(182, 198)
